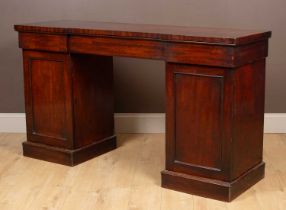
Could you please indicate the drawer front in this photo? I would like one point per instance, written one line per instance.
(45, 42)
(117, 47)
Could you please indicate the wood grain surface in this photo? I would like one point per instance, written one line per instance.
(147, 31)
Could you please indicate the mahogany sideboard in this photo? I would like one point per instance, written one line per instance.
(215, 82)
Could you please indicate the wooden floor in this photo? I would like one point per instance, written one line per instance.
(126, 178)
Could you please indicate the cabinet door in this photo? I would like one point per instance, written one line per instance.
(47, 80)
(198, 120)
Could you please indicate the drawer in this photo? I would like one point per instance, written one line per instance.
(45, 42)
(117, 47)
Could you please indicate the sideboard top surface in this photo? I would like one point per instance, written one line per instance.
(147, 31)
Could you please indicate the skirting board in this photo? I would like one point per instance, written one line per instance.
(137, 122)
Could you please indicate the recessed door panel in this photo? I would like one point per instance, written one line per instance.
(198, 106)
(48, 98)
(198, 119)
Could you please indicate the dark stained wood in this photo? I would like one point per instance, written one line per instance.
(210, 188)
(212, 47)
(66, 156)
(214, 119)
(145, 31)
(173, 52)
(215, 55)
(69, 102)
(93, 101)
(198, 126)
(201, 54)
(198, 120)
(32, 41)
(117, 47)
(248, 117)
(48, 98)
(249, 53)
(188, 53)
(214, 88)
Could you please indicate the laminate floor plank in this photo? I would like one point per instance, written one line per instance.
(127, 178)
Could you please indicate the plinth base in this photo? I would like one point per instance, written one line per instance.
(66, 156)
(211, 188)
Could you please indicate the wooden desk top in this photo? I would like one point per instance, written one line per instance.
(146, 31)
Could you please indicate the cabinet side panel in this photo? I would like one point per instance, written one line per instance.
(248, 117)
(93, 98)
